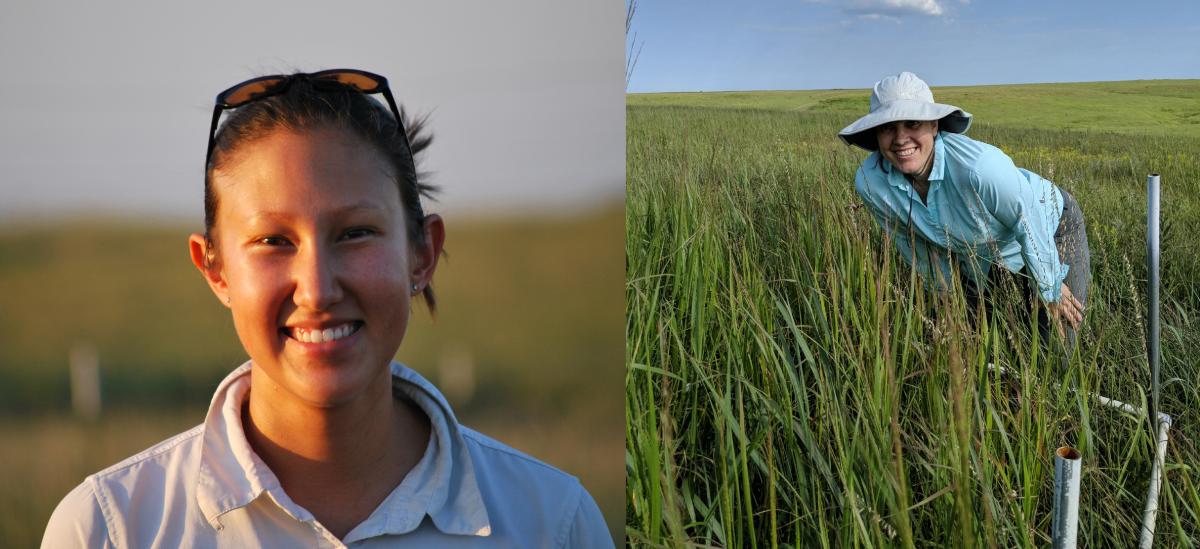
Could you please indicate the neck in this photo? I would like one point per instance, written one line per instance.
(338, 462)
(922, 177)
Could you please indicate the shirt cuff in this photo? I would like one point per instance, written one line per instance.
(1053, 293)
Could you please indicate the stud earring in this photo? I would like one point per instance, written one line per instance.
(227, 300)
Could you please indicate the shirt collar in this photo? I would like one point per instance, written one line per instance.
(937, 172)
(442, 485)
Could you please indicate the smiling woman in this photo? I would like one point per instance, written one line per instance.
(958, 209)
(315, 262)
(317, 243)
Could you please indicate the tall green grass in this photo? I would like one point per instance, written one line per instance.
(790, 382)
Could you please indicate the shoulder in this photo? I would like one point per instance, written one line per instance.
(984, 164)
(78, 521)
(549, 497)
(973, 152)
(958, 142)
(97, 511)
(501, 462)
(168, 460)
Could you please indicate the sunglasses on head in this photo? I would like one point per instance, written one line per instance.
(334, 80)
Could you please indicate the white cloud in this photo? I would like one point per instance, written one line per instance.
(932, 8)
(877, 17)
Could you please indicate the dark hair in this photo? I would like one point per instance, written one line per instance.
(303, 107)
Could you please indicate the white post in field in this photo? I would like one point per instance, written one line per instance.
(85, 381)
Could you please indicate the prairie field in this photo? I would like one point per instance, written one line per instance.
(791, 383)
(526, 345)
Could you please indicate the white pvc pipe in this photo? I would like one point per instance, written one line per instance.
(1150, 514)
(1065, 525)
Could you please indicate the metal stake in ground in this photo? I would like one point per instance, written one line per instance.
(1158, 425)
(1152, 327)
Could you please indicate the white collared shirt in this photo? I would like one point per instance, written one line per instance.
(207, 488)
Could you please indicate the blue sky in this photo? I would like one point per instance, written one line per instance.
(822, 44)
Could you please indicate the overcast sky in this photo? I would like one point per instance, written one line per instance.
(821, 44)
(106, 105)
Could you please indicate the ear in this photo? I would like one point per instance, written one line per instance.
(425, 258)
(199, 248)
(935, 124)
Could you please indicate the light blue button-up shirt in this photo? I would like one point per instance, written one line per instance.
(207, 488)
(979, 206)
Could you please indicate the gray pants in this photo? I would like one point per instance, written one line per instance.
(1072, 243)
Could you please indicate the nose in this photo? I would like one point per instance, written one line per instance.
(316, 274)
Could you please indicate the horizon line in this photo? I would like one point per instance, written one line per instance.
(932, 86)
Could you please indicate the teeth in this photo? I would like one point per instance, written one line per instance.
(323, 336)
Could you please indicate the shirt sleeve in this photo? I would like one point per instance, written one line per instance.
(77, 521)
(588, 528)
(1020, 205)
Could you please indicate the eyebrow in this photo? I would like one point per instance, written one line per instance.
(336, 212)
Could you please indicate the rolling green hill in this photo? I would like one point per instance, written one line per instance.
(1164, 107)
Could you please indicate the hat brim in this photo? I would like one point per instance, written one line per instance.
(861, 132)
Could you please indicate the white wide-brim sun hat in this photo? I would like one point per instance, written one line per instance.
(902, 97)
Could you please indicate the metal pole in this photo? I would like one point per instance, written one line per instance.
(1065, 525)
(1152, 328)
(1158, 428)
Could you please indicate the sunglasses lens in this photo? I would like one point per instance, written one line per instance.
(334, 80)
(360, 82)
(249, 91)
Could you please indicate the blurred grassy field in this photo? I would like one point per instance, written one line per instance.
(532, 308)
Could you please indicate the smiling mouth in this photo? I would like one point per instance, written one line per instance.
(905, 153)
(332, 333)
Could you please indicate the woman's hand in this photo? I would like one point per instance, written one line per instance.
(1068, 308)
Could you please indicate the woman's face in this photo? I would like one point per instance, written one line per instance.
(907, 144)
(314, 260)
